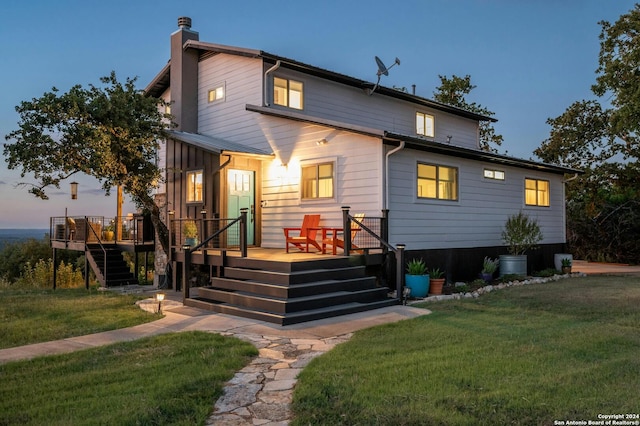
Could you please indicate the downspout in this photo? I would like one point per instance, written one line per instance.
(265, 94)
(386, 173)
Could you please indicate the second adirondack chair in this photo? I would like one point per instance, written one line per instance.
(306, 233)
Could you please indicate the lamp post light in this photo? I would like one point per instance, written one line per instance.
(160, 298)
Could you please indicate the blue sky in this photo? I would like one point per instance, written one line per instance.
(529, 59)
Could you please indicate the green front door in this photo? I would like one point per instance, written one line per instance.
(241, 195)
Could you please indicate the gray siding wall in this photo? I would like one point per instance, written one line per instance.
(477, 218)
(334, 101)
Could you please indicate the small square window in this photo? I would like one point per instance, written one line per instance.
(439, 182)
(288, 93)
(317, 181)
(536, 192)
(425, 125)
(216, 94)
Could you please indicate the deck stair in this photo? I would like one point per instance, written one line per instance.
(291, 292)
(117, 273)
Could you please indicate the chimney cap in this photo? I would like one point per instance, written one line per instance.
(184, 22)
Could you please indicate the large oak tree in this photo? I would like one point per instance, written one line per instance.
(110, 132)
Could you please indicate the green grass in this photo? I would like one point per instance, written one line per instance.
(36, 315)
(172, 379)
(520, 356)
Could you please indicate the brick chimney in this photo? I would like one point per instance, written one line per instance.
(184, 77)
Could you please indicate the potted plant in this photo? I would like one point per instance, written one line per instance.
(520, 233)
(190, 233)
(489, 267)
(108, 233)
(566, 265)
(416, 278)
(436, 277)
(559, 257)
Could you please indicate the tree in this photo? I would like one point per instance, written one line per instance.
(109, 132)
(603, 206)
(452, 91)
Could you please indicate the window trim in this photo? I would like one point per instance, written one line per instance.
(318, 162)
(537, 180)
(215, 87)
(194, 172)
(437, 180)
(424, 117)
(288, 92)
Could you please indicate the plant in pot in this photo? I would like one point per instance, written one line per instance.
(566, 265)
(489, 267)
(416, 278)
(436, 277)
(190, 233)
(108, 232)
(520, 233)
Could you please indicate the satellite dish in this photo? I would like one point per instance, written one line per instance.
(382, 70)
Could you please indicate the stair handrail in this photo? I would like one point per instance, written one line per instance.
(104, 250)
(398, 250)
(188, 250)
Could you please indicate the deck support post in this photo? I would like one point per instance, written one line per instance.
(346, 226)
(186, 269)
(243, 231)
(55, 267)
(86, 270)
(400, 271)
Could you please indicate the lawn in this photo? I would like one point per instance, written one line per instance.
(171, 379)
(37, 315)
(528, 355)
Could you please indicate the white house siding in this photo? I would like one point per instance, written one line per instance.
(229, 119)
(477, 218)
(358, 175)
(334, 101)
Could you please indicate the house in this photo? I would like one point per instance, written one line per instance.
(282, 139)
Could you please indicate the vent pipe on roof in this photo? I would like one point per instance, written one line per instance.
(413, 89)
(184, 22)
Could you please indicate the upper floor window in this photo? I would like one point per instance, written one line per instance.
(438, 182)
(194, 186)
(317, 180)
(216, 94)
(425, 125)
(536, 192)
(493, 174)
(287, 93)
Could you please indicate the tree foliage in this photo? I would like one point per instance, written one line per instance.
(452, 91)
(600, 136)
(110, 132)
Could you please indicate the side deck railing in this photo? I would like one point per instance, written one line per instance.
(99, 229)
(374, 235)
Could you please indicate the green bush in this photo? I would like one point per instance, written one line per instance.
(40, 275)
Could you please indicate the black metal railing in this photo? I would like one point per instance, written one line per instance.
(374, 234)
(93, 229)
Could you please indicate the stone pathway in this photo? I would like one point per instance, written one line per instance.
(261, 393)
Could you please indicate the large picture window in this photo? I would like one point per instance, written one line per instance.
(287, 93)
(437, 182)
(536, 192)
(425, 125)
(317, 181)
(194, 186)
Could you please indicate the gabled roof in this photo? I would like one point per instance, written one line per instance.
(216, 145)
(161, 82)
(474, 154)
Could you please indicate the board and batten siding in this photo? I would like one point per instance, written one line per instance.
(477, 218)
(358, 176)
(334, 101)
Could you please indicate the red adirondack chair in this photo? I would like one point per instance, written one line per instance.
(306, 234)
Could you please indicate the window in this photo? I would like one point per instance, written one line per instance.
(494, 174)
(438, 182)
(317, 181)
(194, 186)
(425, 125)
(216, 94)
(536, 192)
(287, 93)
